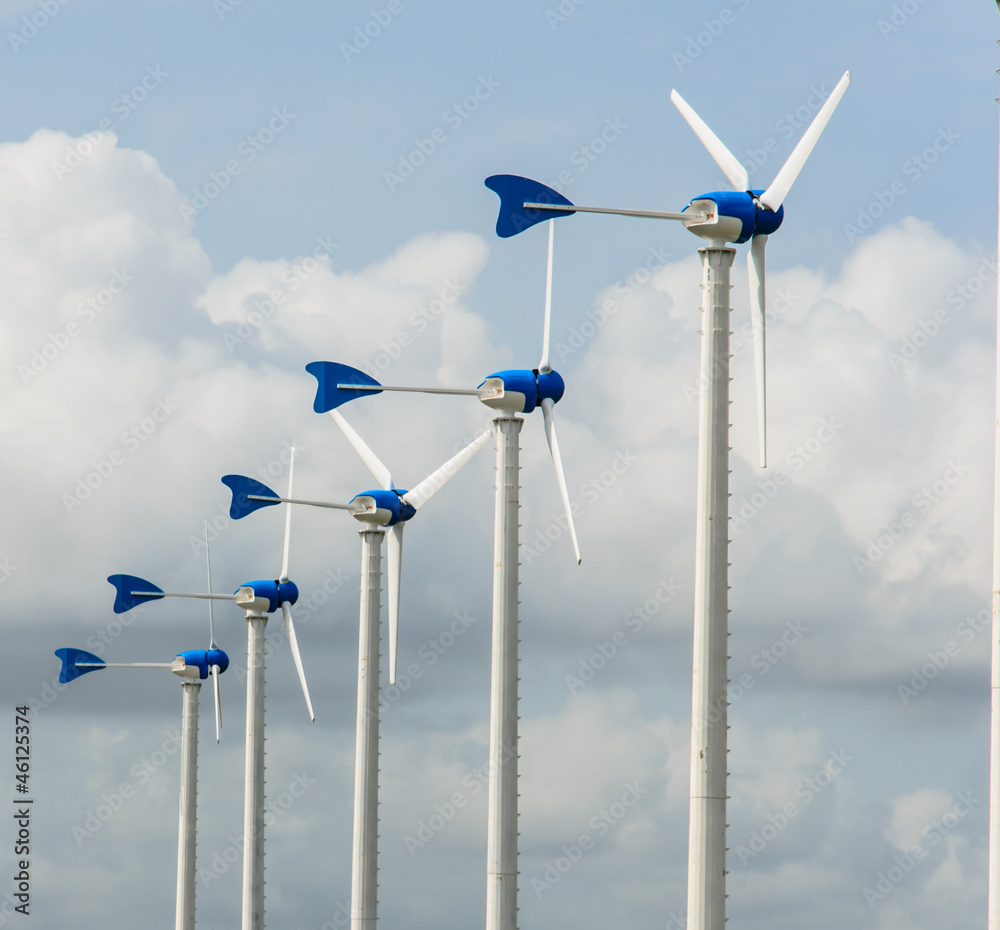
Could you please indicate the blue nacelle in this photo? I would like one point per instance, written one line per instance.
(265, 597)
(521, 390)
(381, 508)
(734, 216)
(197, 663)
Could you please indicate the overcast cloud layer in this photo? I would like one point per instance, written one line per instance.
(146, 352)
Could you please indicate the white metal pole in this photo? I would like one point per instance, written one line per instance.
(189, 805)
(253, 801)
(993, 882)
(364, 859)
(501, 841)
(706, 905)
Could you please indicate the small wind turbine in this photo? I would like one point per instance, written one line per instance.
(508, 393)
(720, 217)
(386, 508)
(258, 599)
(192, 667)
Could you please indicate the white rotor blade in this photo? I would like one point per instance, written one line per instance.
(211, 617)
(543, 366)
(375, 466)
(394, 551)
(775, 194)
(755, 271)
(296, 655)
(423, 492)
(288, 518)
(218, 702)
(550, 435)
(725, 159)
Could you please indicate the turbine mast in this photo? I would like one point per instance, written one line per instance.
(189, 805)
(706, 903)
(253, 800)
(364, 858)
(501, 835)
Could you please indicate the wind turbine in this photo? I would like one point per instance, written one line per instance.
(721, 217)
(387, 508)
(508, 393)
(192, 667)
(258, 599)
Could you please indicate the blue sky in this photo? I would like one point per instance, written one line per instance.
(559, 82)
(881, 411)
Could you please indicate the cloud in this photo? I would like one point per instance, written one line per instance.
(114, 438)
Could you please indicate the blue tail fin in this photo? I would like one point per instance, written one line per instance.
(329, 375)
(126, 584)
(242, 487)
(70, 656)
(514, 192)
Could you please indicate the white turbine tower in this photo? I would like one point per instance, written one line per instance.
(258, 599)
(721, 217)
(192, 667)
(387, 508)
(508, 393)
